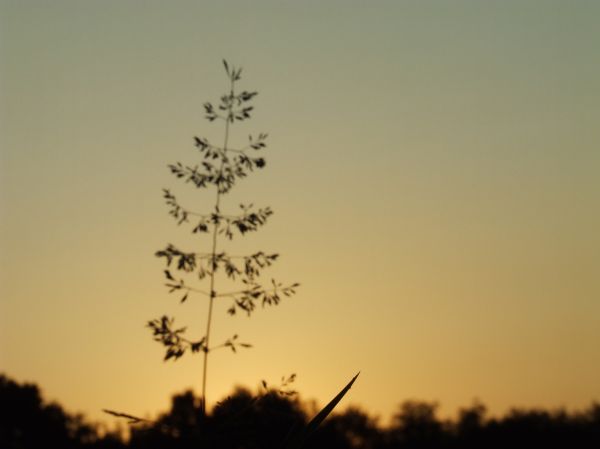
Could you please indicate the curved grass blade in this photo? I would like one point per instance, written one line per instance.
(299, 439)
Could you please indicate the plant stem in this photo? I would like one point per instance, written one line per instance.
(212, 292)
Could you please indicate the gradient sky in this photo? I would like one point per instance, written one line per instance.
(433, 167)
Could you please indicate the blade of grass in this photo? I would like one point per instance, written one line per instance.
(299, 439)
(132, 419)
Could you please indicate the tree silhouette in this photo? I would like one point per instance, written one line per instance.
(352, 429)
(27, 422)
(470, 425)
(416, 425)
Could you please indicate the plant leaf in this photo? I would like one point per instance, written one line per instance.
(299, 439)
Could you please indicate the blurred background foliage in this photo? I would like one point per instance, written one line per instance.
(246, 419)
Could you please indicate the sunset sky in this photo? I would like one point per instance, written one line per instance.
(434, 168)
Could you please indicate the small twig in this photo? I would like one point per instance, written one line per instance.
(240, 292)
(195, 290)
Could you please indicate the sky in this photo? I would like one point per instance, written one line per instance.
(432, 165)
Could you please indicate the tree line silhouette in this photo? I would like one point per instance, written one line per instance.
(264, 420)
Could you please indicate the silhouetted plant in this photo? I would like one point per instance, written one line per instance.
(219, 168)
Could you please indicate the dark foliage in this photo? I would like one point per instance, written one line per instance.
(27, 422)
(253, 421)
(242, 420)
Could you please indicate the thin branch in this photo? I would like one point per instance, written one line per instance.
(250, 290)
(196, 290)
(205, 215)
(225, 255)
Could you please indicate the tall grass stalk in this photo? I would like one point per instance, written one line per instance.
(220, 168)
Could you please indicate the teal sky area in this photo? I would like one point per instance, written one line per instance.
(433, 167)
